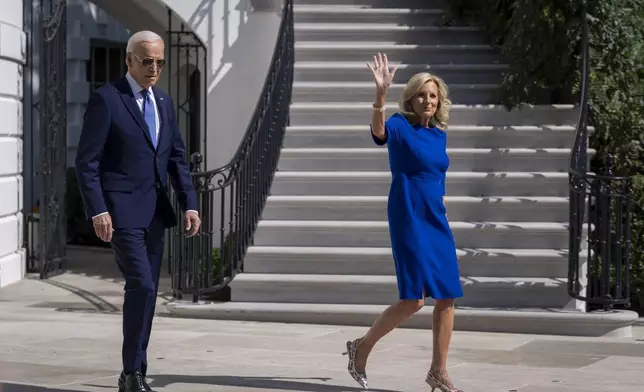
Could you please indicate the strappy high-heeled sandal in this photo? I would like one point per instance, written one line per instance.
(352, 349)
(436, 381)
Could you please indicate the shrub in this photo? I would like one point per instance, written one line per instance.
(537, 39)
(222, 261)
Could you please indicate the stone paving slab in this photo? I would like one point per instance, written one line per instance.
(69, 351)
(584, 348)
(65, 335)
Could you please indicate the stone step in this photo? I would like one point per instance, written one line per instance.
(382, 289)
(525, 321)
(356, 72)
(359, 113)
(389, 33)
(458, 136)
(355, 183)
(409, 53)
(520, 263)
(461, 159)
(466, 94)
(515, 235)
(459, 208)
(350, 13)
(417, 4)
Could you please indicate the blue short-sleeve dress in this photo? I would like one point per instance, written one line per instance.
(423, 245)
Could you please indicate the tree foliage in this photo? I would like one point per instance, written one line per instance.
(541, 42)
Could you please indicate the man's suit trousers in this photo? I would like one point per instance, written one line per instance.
(138, 255)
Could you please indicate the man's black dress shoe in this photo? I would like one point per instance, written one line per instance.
(133, 382)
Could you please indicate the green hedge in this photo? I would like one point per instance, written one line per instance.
(540, 40)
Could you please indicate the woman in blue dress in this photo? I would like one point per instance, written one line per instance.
(422, 242)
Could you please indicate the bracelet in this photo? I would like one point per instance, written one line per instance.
(379, 109)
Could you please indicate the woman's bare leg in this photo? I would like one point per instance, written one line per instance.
(388, 320)
(443, 324)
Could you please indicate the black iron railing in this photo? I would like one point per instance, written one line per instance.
(187, 61)
(46, 235)
(600, 209)
(231, 198)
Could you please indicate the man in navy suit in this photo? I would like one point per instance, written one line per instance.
(129, 145)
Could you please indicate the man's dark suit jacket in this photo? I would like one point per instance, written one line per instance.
(118, 169)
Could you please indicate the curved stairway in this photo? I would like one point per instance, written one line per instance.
(321, 253)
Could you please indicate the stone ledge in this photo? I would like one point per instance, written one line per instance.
(10, 155)
(13, 43)
(524, 321)
(11, 227)
(10, 195)
(12, 268)
(11, 115)
(11, 83)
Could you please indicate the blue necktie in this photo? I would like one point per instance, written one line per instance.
(150, 116)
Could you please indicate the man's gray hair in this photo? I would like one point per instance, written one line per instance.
(142, 36)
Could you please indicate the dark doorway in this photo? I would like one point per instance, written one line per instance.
(194, 114)
(106, 64)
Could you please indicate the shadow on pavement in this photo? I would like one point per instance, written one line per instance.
(100, 263)
(317, 384)
(7, 387)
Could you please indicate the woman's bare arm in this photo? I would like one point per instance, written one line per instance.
(383, 77)
(378, 116)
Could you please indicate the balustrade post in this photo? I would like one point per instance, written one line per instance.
(607, 229)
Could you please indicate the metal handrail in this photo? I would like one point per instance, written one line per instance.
(231, 198)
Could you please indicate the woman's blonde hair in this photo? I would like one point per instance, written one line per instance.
(441, 116)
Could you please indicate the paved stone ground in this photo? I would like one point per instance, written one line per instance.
(64, 335)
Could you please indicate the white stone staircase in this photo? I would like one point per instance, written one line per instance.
(321, 252)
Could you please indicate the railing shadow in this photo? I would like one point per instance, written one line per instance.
(233, 76)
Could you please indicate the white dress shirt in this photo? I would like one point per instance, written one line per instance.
(138, 97)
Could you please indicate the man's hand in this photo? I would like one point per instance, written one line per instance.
(103, 227)
(192, 223)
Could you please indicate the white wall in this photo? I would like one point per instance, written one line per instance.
(12, 58)
(85, 21)
(240, 42)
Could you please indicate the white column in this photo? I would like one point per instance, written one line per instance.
(12, 59)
